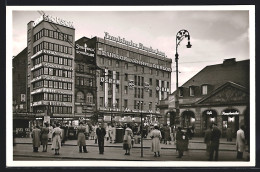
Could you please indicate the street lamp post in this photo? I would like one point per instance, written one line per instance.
(179, 37)
(141, 103)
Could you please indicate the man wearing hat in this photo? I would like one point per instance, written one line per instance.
(101, 132)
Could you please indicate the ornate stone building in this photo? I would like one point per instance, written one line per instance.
(218, 93)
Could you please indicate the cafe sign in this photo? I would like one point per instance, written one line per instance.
(230, 113)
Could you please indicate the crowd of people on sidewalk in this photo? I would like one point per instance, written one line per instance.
(212, 137)
(159, 134)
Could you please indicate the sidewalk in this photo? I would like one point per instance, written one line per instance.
(196, 143)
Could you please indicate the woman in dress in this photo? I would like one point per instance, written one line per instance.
(56, 139)
(44, 136)
(127, 145)
(156, 137)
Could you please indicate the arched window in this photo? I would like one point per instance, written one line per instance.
(80, 97)
(89, 98)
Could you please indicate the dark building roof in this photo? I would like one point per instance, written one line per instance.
(217, 75)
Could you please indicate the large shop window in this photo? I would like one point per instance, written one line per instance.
(230, 120)
(188, 119)
(209, 117)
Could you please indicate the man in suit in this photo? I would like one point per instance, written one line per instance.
(215, 136)
(101, 132)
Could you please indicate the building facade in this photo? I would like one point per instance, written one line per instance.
(131, 79)
(85, 80)
(50, 77)
(218, 93)
(109, 78)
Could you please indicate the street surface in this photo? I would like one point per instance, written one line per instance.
(114, 152)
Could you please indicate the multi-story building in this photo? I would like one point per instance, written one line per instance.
(50, 76)
(218, 93)
(109, 77)
(85, 80)
(133, 79)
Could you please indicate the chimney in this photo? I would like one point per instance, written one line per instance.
(229, 61)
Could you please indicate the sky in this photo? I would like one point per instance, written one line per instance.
(215, 34)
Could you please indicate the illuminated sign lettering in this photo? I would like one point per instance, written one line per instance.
(139, 46)
(130, 60)
(55, 20)
(230, 113)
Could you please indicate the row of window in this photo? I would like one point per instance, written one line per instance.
(52, 72)
(84, 68)
(53, 47)
(80, 97)
(52, 97)
(109, 103)
(137, 104)
(54, 109)
(52, 59)
(52, 84)
(204, 90)
(136, 68)
(53, 34)
(134, 55)
(84, 81)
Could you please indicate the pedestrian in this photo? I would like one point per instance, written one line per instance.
(44, 136)
(207, 138)
(113, 134)
(81, 142)
(101, 132)
(215, 136)
(50, 133)
(229, 134)
(109, 128)
(87, 131)
(162, 133)
(180, 142)
(56, 139)
(167, 136)
(36, 138)
(156, 137)
(127, 141)
(240, 142)
(95, 133)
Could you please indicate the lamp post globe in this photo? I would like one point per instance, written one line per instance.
(179, 37)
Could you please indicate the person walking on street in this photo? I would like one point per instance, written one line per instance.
(215, 136)
(44, 136)
(56, 139)
(156, 137)
(180, 142)
(36, 138)
(101, 132)
(229, 134)
(113, 134)
(207, 138)
(81, 142)
(167, 136)
(240, 142)
(127, 145)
